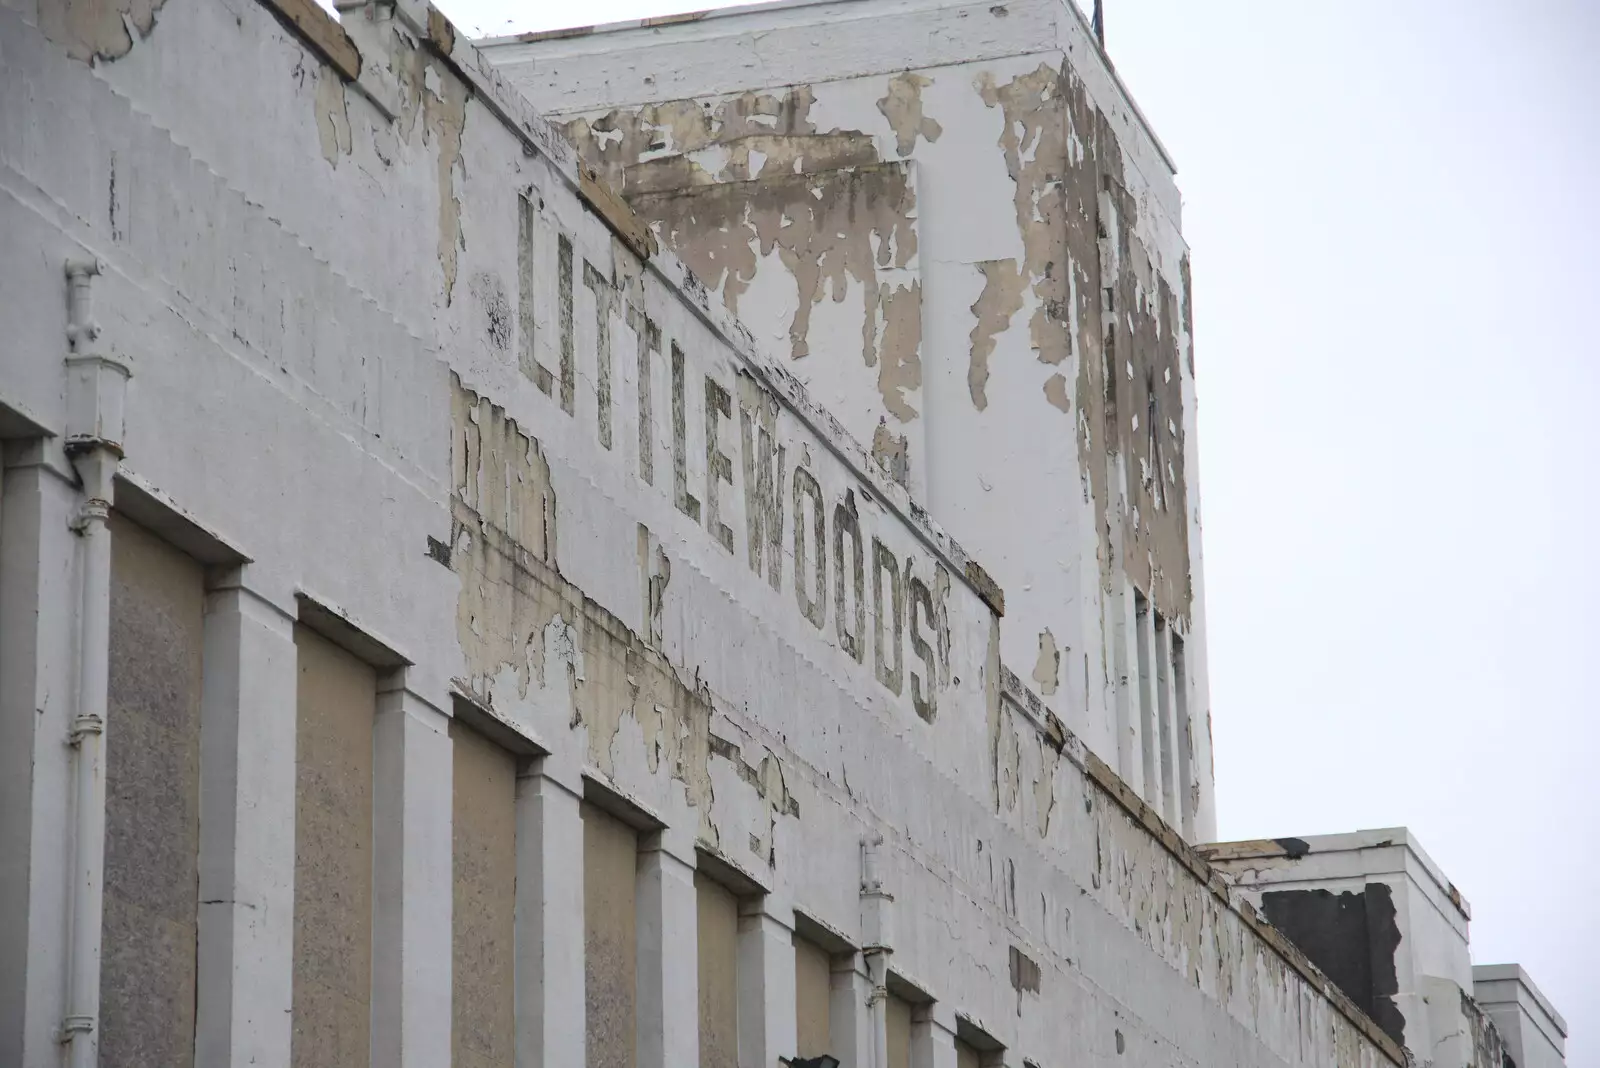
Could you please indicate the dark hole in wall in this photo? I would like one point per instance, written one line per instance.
(1351, 936)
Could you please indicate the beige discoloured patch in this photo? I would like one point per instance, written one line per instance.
(1000, 300)
(717, 936)
(1103, 311)
(484, 847)
(90, 30)
(610, 947)
(1033, 139)
(147, 980)
(444, 116)
(515, 614)
(1044, 785)
(891, 453)
(337, 700)
(750, 134)
(829, 230)
(730, 182)
(902, 106)
(1055, 391)
(333, 120)
(430, 89)
(1047, 669)
(898, 352)
(501, 494)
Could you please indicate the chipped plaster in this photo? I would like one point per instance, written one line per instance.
(97, 30)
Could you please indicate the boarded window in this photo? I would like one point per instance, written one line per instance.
(337, 699)
(899, 1032)
(610, 866)
(812, 991)
(484, 836)
(966, 1056)
(147, 979)
(718, 935)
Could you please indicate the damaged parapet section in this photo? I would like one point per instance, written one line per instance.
(1377, 915)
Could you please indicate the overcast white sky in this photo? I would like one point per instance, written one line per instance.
(1393, 214)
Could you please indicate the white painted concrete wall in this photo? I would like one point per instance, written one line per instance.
(317, 284)
(1534, 1032)
(1007, 461)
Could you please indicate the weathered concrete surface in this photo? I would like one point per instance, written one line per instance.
(1378, 915)
(382, 380)
(1047, 419)
(1534, 1033)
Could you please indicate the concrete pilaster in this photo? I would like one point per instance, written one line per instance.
(668, 964)
(849, 1022)
(550, 998)
(766, 983)
(933, 1037)
(38, 627)
(1173, 769)
(1130, 728)
(1145, 700)
(412, 887)
(247, 820)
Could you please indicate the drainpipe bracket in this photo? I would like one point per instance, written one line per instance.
(94, 510)
(75, 1025)
(84, 726)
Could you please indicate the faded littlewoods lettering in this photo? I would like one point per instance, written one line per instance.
(902, 605)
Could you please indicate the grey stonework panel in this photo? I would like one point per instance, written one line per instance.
(610, 895)
(333, 856)
(147, 979)
(484, 832)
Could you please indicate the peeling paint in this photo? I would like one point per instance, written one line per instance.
(1047, 670)
(1000, 300)
(445, 113)
(501, 497)
(90, 30)
(902, 106)
(897, 353)
(440, 98)
(333, 121)
(830, 230)
(891, 453)
(1055, 391)
(1104, 315)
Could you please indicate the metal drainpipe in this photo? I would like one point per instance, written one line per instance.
(877, 931)
(95, 389)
